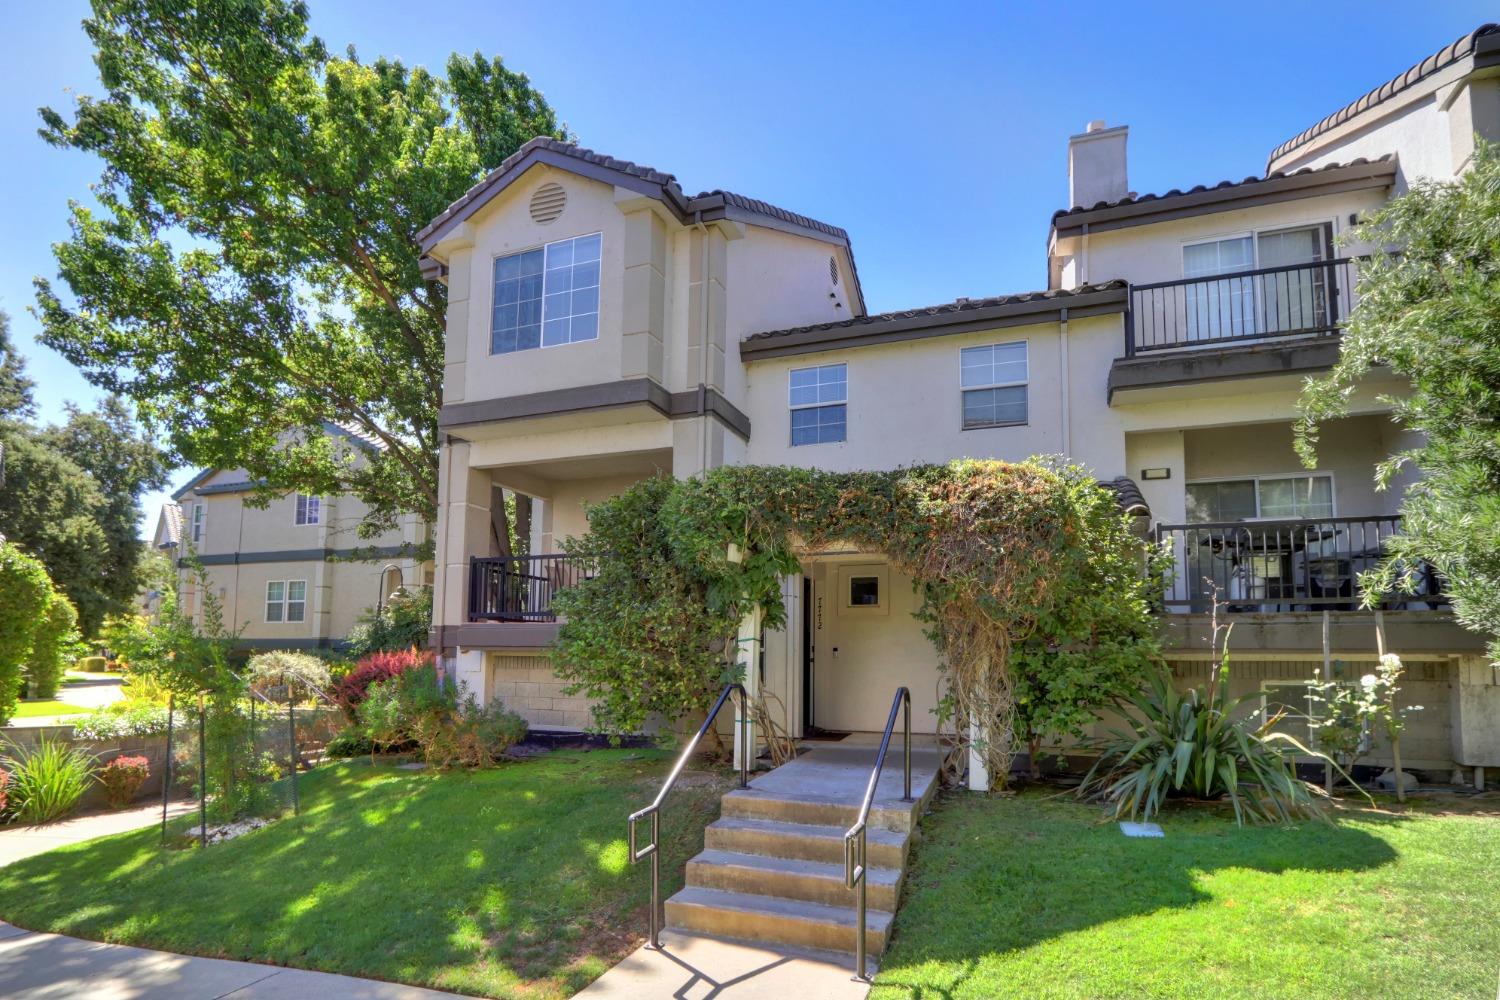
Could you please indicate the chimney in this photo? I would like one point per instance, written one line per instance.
(1096, 165)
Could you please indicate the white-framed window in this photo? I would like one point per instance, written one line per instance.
(993, 382)
(196, 521)
(309, 509)
(1261, 498)
(819, 399)
(547, 296)
(286, 601)
(1278, 302)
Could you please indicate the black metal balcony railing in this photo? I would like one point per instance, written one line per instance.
(521, 588)
(1291, 565)
(1300, 300)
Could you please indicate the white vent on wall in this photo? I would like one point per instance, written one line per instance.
(833, 271)
(547, 203)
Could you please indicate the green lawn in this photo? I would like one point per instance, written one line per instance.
(41, 709)
(1036, 897)
(511, 882)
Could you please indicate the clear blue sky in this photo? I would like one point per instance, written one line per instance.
(935, 135)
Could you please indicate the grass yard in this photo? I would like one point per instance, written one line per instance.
(512, 882)
(42, 709)
(1036, 897)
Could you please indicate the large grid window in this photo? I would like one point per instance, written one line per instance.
(309, 509)
(286, 600)
(546, 297)
(819, 398)
(993, 380)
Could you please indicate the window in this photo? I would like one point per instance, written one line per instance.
(309, 509)
(1278, 497)
(197, 522)
(1286, 301)
(286, 600)
(546, 297)
(993, 378)
(864, 591)
(819, 398)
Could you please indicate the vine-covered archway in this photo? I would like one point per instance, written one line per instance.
(1034, 592)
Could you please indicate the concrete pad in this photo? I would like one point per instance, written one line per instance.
(840, 772)
(25, 841)
(695, 967)
(51, 967)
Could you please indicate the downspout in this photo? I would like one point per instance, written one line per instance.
(704, 365)
(1083, 256)
(1065, 378)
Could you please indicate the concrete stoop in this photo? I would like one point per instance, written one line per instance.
(772, 868)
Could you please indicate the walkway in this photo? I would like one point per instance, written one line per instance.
(50, 967)
(17, 842)
(704, 968)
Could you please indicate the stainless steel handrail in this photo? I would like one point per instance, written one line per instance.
(855, 839)
(651, 850)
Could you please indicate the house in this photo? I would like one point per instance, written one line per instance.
(604, 325)
(292, 574)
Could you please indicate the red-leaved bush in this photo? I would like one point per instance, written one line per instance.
(351, 688)
(122, 779)
(4, 783)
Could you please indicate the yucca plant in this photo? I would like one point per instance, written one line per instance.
(47, 780)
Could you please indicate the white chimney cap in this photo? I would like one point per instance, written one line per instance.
(1097, 125)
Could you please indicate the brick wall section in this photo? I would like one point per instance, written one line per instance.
(528, 686)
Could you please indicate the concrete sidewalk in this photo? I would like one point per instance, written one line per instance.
(50, 967)
(19, 842)
(696, 967)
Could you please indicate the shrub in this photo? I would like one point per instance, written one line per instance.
(297, 672)
(24, 592)
(120, 720)
(401, 623)
(482, 735)
(381, 716)
(47, 779)
(122, 779)
(52, 642)
(350, 741)
(1187, 744)
(4, 787)
(351, 690)
(92, 664)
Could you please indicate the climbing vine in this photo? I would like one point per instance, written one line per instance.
(1023, 568)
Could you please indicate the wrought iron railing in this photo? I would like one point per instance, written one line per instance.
(1287, 565)
(1298, 300)
(855, 840)
(521, 588)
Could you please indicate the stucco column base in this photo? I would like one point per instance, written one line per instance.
(469, 674)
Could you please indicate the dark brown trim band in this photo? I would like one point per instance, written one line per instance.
(1230, 197)
(495, 635)
(369, 554)
(944, 324)
(602, 396)
(1215, 365)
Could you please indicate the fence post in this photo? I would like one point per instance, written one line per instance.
(291, 724)
(166, 778)
(202, 774)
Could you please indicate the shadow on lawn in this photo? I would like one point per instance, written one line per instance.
(1000, 875)
(474, 882)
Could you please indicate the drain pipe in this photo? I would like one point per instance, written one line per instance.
(703, 368)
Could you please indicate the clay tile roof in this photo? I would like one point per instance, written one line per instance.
(171, 514)
(873, 324)
(1142, 199)
(757, 207)
(1128, 495)
(1440, 59)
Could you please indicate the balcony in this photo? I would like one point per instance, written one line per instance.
(521, 588)
(1268, 303)
(1286, 565)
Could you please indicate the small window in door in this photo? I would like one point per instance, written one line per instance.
(864, 591)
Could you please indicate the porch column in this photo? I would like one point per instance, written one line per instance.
(747, 656)
(463, 528)
(979, 772)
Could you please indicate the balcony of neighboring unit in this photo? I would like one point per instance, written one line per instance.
(521, 589)
(1258, 322)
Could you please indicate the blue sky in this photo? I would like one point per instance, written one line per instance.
(935, 134)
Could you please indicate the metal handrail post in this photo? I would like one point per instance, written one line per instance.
(856, 839)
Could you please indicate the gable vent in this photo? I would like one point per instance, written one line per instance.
(548, 203)
(833, 271)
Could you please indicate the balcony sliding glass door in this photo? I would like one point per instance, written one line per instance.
(1242, 300)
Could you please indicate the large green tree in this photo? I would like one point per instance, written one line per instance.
(254, 270)
(1430, 313)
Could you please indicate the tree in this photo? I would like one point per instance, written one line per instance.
(16, 401)
(1430, 314)
(53, 644)
(255, 270)
(24, 592)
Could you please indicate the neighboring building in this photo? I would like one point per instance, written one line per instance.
(291, 575)
(604, 326)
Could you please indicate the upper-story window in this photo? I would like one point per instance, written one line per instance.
(309, 509)
(819, 398)
(195, 534)
(546, 297)
(993, 380)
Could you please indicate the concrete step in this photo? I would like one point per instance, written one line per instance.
(770, 918)
(820, 810)
(804, 841)
(791, 878)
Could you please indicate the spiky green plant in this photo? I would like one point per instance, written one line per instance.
(47, 779)
(1196, 744)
